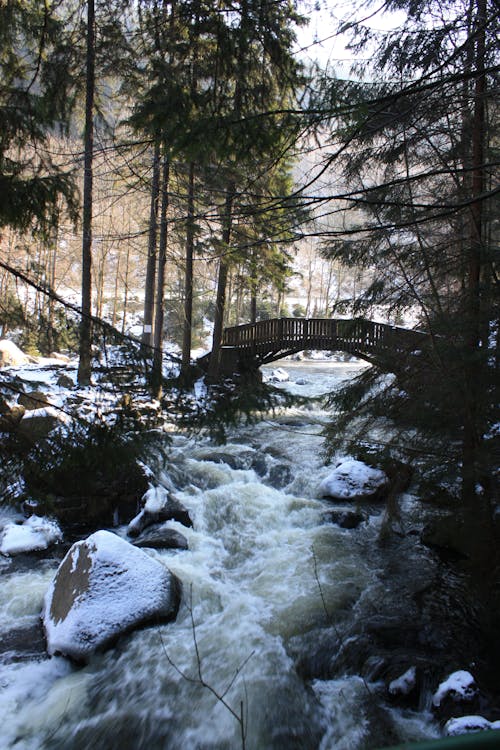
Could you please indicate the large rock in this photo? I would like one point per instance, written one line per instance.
(11, 355)
(158, 506)
(104, 588)
(353, 480)
(38, 423)
(162, 538)
(31, 536)
(10, 416)
(457, 695)
(33, 400)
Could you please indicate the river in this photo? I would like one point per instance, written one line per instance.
(273, 593)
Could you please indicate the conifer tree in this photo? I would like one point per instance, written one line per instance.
(416, 136)
(35, 57)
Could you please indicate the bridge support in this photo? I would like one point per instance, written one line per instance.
(229, 360)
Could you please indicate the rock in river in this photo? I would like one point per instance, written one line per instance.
(353, 480)
(103, 588)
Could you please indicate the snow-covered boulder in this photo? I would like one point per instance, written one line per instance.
(279, 375)
(468, 724)
(353, 480)
(158, 506)
(33, 400)
(405, 684)
(11, 355)
(33, 535)
(460, 686)
(10, 416)
(103, 588)
(37, 423)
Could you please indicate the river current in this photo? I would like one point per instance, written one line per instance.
(272, 591)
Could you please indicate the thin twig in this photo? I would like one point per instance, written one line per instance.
(330, 618)
(242, 716)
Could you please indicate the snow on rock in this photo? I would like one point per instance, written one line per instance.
(155, 499)
(11, 355)
(404, 684)
(34, 400)
(279, 376)
(103, 588)
(467, 724)
(34, 534)
(37, 423)
(353, 480)
(460, 686)
(158, 506)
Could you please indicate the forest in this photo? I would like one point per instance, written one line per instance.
(172, 168)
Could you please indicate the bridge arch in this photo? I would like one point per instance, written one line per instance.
(253, 344)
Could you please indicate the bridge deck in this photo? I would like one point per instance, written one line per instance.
(268, 340)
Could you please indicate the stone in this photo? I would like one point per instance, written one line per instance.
(60, 357)
(33, 400)
(346, 519)
(10, 419)
(38, 423)
(105, 587)
(34, 534)
(158, 506)
(353, 480)
(467, 724)
(65, 381)
(280, 475)
(162, 538)
(11, 355)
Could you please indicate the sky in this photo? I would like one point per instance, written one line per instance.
(318, 40)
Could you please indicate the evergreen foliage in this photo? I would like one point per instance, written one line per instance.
(416, 137)
(35, 62)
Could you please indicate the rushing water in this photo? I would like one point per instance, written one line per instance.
(269, 587)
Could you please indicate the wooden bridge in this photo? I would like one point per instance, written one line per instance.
(249, 346)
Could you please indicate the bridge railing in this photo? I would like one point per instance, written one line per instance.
(356, 335)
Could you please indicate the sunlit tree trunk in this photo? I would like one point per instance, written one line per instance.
(149, 290)
(84, 366)
(156, 373)
(188, 277)
(220, 302)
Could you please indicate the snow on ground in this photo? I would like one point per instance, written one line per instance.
(34, 534)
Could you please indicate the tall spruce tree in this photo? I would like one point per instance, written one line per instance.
(416, 137)
(256, 121)
(35, 64)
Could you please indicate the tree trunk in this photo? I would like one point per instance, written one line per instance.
(52, 286)
(220, 302)
(84, 365)
(188, 277)
(149, 290)
(472, 355)
(125, 289)
(156, 373)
